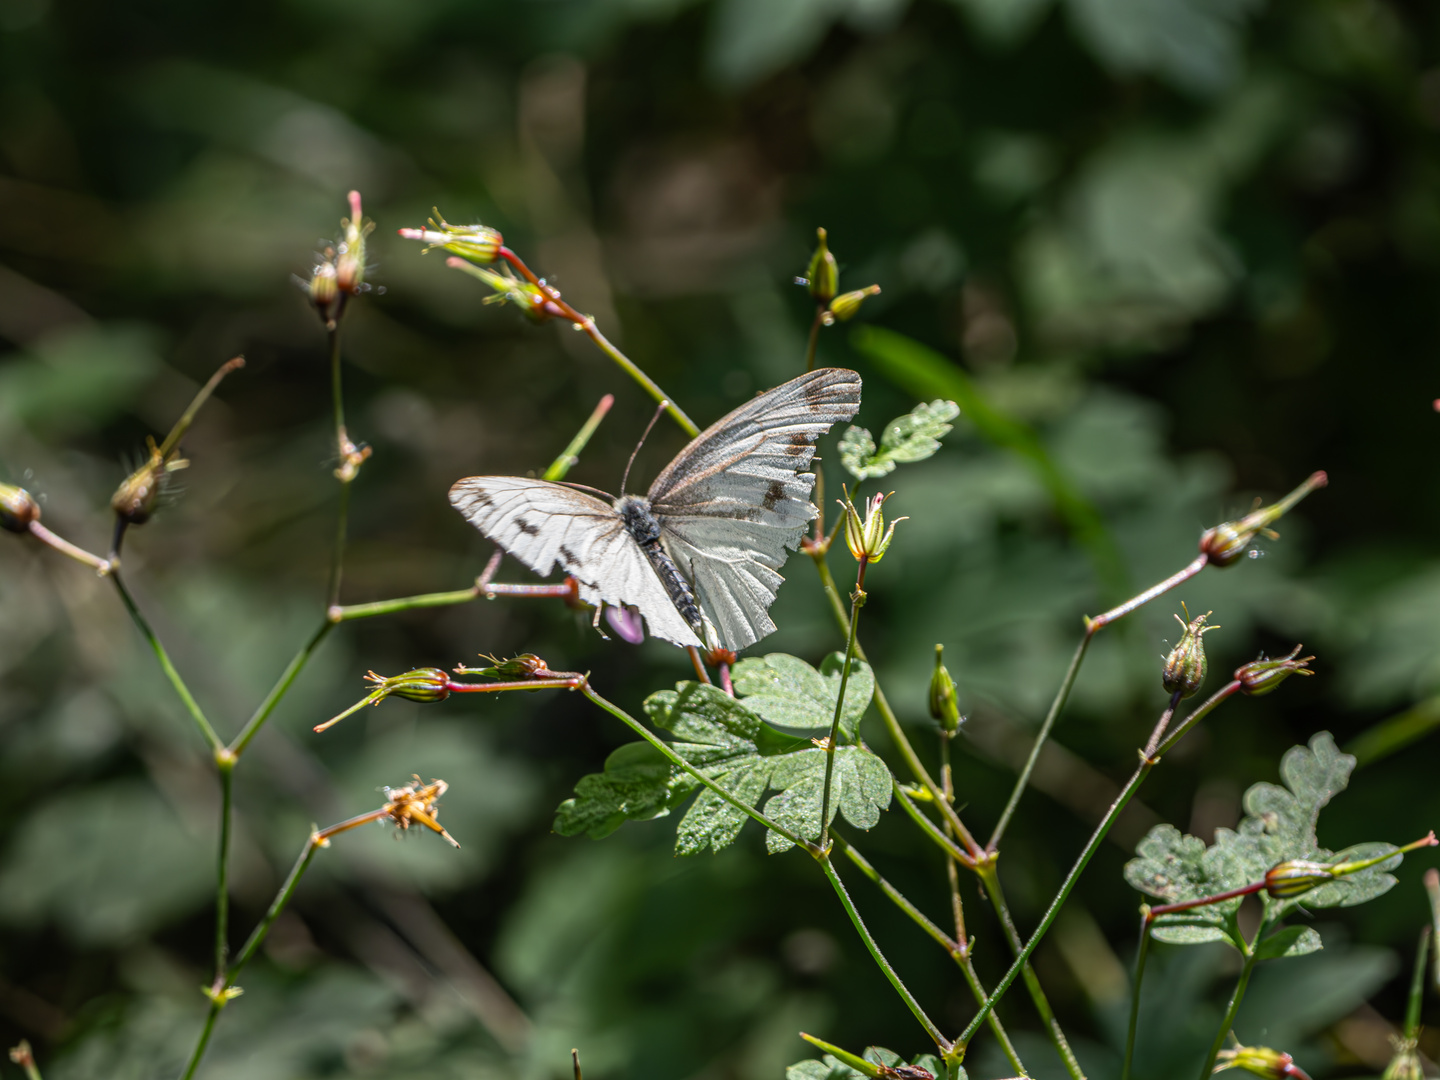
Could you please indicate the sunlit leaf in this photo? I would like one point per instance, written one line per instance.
(912, 437)
(788, 692)
(1291, 941)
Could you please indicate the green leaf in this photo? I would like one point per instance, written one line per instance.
(788, 692)
(859, 789)
(912, 437)
(734, 746)
(1279, 825)
(888, 1064)
(1291, 941)
(638, 784)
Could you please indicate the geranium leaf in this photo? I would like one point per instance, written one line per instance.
(788, 692)
(912, 437)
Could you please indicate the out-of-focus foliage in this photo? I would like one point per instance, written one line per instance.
(1169, 253)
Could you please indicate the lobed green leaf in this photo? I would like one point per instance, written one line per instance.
(912, 437)
(788, 692)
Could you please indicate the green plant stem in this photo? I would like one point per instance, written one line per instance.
(225, 765)
(675, 759)
(857, 601)
(929, 828)
(1023, 780)
(1417, 987)
(813, 343)
(218, 995)
(586, 324)
(403, 603)
(1226, 1024)
(991, 880)
(182, 691)
(570, 456)
(890, 720)
(958, 948)
(187, 418)
(283, 684)
(1149, 757)
(337, 559)
(941, 1042)
(1141, 955)
(337, 396)
(69, 550)
(1092, 627)
(1432, 889)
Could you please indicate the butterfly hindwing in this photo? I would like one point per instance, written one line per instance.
(545, 525)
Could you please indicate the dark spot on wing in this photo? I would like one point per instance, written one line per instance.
(817, 393)
(773, 494)
(799, 443)
(526, 528)
(568, 557)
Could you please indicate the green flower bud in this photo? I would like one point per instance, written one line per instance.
(324, 291)
(1261, 676)
(1226, 543)
(1186, 665)
(845, 305)
(476, 243)
(1260, 1060)
(823, 275)
(424, 685)
(1295, 877)
(350, 259)
(18, 509)
(868, 540)
(135, 499)
(943, 704)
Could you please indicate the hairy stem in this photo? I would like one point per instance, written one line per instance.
(891, 721)
(991, 880)
(676, 760)
(1148, 759)
(1023, 780)
(814, 341)
(587, 325)
(857, 601)
(958, 948)
(402, 603)
(225, 764)
(1141, 955)
(874, 949)
(181, 690)
(283, 684)
(1235, 999)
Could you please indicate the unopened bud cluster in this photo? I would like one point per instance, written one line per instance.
(1186, 666)
(339, 272)
(822, 280)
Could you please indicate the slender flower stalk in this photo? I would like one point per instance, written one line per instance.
(1141, 955)
(857, 601)
(1241, 984)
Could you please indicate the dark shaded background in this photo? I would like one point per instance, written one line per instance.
(1196, 243)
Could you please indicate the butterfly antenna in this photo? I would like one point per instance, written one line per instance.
(635, 453)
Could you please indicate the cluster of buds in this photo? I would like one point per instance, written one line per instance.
(339, 271)
(868, 539)
(1260, 677)
(944, 706)
(1262, 1061)
(1296, 877)
(1185, 667)
(822, 279)
(1225, 544)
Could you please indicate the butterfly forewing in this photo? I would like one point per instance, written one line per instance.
(735, 499)
(545, 525)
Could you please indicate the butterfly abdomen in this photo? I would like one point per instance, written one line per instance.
(641, 524)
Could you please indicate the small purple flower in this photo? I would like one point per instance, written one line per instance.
(626, 623)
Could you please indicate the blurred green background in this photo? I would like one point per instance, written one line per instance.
(1194, 243)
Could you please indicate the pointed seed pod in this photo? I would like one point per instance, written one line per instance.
(1185, 667)
(943, 704)
(1260, 677)
(823, 273)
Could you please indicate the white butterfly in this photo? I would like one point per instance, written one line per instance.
(697, 555)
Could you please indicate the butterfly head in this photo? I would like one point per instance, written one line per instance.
(634, 510)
